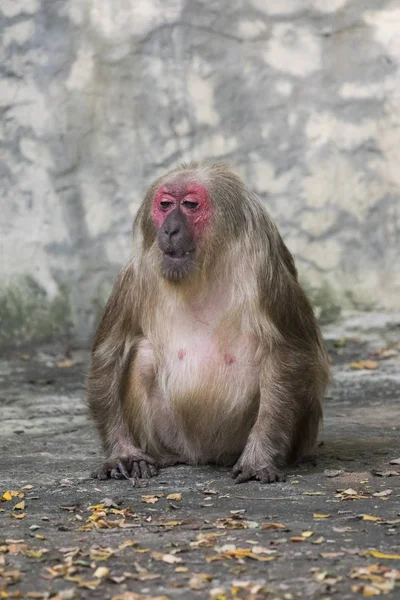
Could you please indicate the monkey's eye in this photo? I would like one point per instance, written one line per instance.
(190, 204)
(165, 204)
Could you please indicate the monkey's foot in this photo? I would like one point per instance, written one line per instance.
(242, 473)
(127, 467)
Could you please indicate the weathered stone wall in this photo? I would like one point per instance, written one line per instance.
(97, 98)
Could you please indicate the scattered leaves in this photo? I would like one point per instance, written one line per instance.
(10, 494)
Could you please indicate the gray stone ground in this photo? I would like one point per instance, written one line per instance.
(219, 540)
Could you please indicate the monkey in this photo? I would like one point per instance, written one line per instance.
(208, 351)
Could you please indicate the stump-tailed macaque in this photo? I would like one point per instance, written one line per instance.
(208, 350)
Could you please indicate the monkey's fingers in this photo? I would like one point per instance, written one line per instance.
(270, 475)
(244, 475)
(122, 470)
(265, 475)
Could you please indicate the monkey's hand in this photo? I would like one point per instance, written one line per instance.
(132, 466)
(243, 472)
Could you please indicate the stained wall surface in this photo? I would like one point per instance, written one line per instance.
(302, 97)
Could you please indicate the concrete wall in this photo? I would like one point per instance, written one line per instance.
(98, 98)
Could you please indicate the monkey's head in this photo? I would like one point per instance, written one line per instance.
(190, 216)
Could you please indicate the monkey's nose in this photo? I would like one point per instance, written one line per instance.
(172, 229)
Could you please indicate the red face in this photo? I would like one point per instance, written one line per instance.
(181, 212)
(192, 201)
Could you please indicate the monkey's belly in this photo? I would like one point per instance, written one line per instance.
(203, 400)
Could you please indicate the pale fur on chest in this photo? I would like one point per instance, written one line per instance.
(205, 378)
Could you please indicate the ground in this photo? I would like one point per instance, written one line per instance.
(330, 531)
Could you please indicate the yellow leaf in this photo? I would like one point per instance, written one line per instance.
(10, 494)
(364, 364)
(27, 487)
(33, 553)
(181, 569)
(89, 585)
(174, 497)
(378, 554)
(20, 505)
(19, 516)
(320, 516)
(149, 499)
(273, 526)
(307, 534)
(101, 572)
(126, 544)
(371, 518)
(64, 364)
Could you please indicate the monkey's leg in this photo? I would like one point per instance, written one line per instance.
(287, 421)
(106, 391)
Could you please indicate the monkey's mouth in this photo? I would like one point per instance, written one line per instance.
(177, 264)
(178, 255)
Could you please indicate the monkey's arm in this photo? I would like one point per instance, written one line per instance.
(288, 417)
(293, 374)
(112, 352)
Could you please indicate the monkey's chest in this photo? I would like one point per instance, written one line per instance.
(201, 365)
(209, 394)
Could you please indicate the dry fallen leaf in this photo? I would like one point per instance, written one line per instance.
(333, 473)
(379, 554)
(332, 555)
(64, 364)
(101, 572)
(89, 585)
(394, 461)
(383, 494)
(307, 534)
(321, 516)
(371, 518)
(150, 499)
(364, 364)
(126, 544)
(10, 494)
(384, 473)
(167, 558)
(19, 516)
(20, 505)
(297, 539)
(176, 497)
(199, 580)
(273, 526)
(100, 553)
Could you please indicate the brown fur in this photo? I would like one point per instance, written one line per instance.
(227, 366)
